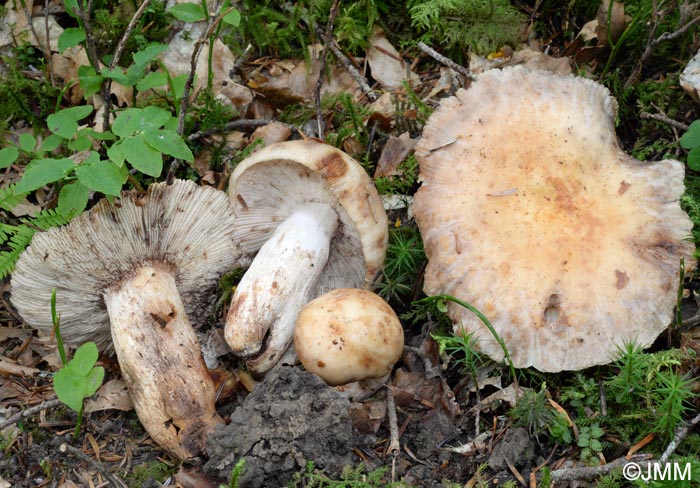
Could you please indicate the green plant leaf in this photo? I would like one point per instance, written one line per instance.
(694, 159)
(102, 176)
(65, 122)
(71, 7)
(73, 199)
(168, 142)
(82, 141)
(69, 387)
(691, 138)
(40, 172)
(179, 85)
(148, 54)
(51, 142)
(134, 120)
(8, 155)
(152, 80)
(93, 380)
(117, 74)
(142, 156)
(72, 36)
(232, 18)
(84, 358)
(188, 12)
(90, 81)
(27, 142)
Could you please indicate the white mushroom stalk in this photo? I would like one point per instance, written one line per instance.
(156, 345)
(127, 277)
(316, 222)
(278, 284)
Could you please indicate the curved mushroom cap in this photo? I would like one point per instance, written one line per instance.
(530, 211)
(348, 335)
(271, 184)
(182, 226)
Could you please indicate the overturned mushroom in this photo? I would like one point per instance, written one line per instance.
(530, 211)
(142, 265)
(349, 335)
(317, 223)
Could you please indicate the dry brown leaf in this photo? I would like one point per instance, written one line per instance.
(111, 395)
(618, 22)
(12, 332)
(509, 394)
(272, 133)
(387, 66)
(367, 416)
(690, 78)
(194, 478)
(8, 367)
(540, 61)
(395, 152)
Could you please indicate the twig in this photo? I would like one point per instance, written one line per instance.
(30, 411)
(46, 49)
(66, 448)
(394, 446)
(595, 471)
(665, 120)
(681, 434)
(47, 53)
(212, 22)
(446, 61)
(118, 54)
(235, 124)
(347, 64)
(324, 59)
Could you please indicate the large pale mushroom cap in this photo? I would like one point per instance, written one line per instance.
(530, 211)
(271, 184)
(183, 227)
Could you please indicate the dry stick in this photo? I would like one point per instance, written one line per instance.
(446, 61)
(324, 59)
(46, 49)
(681, 434)
(394, 446)
(665, 120)
(347, 64)
(573, 474)
(211, 25)
(651, 44)
(30, 411)
(67, 448)
(118, 54)
(47, 53)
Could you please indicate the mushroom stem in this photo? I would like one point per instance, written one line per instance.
(160, 359)
(278, 284)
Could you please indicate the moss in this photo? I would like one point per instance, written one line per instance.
(157, 470)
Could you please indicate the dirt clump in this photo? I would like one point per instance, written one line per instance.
(290, 418)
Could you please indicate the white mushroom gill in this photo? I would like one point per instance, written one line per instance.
(278, 284)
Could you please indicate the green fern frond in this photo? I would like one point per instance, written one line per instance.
(17, 243)
(47, 219)
(8, 199)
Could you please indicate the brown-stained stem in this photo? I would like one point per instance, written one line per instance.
(67, 448)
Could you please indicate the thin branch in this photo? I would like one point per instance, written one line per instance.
(117, 57)
(29, 412)
(47, 53)
(681, 434)
(324, 59)
(67, 448)
(235, 124)
(446, 61)
(665, 120)
(588, 473)
(347, 64)
(204, 38)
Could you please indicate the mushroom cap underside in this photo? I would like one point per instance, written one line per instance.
(531, 212)
(271, 184)
(182, 227)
